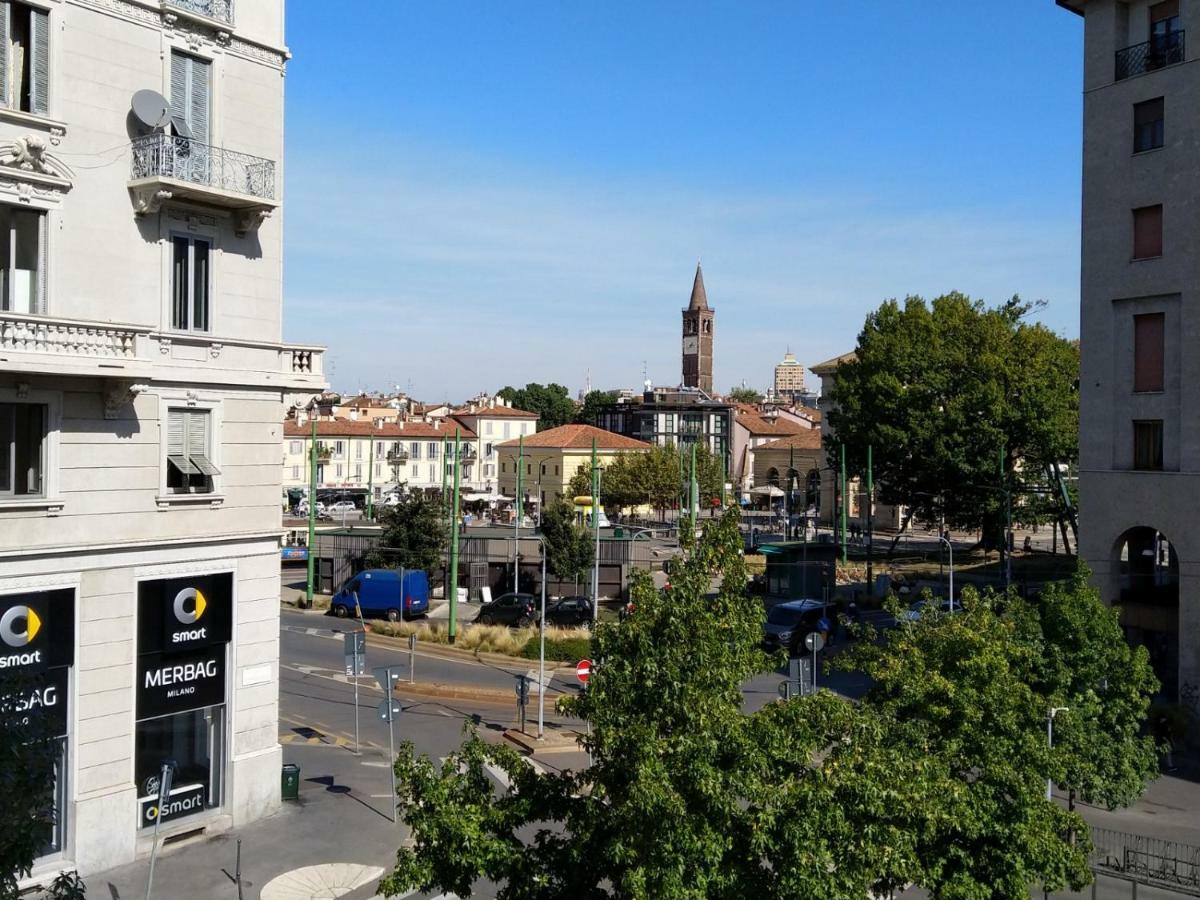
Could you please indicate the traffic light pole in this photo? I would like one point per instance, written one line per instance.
(312, 509)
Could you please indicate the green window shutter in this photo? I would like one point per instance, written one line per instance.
(39, 63)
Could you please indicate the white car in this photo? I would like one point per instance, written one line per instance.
(302, 508)
(341, 507)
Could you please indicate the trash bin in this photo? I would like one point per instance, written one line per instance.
(290, 782)
(618, 532)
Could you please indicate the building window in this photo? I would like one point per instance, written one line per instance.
(1148, 444)
(190, 91)
(432, 474)
(190, 270)
(1164, 25)
(543, 468)
(506, 431)
(22, 449)
(503, 468)
(338, 471)
(295, 473)
(487, 428)
(189, 451)
(1148, 352)
(378, 470)
(669, 423)
(23, 259)
(1148, 125)
(1148, 232)
(339, 449)
(25, 58)
(433, 451)
(358, 445)
(489, 449)
(555, 472)
(296, 448)
(414, 450)
(528, 468)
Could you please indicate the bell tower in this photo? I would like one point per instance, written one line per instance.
(698, 338)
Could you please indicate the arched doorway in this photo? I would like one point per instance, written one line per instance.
(1147, 568)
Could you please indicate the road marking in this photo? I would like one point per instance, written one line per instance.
(374, 765)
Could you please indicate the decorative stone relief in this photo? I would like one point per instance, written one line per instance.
(148, 200)
(247, 220)
(29, 154)
(164, 346)
(215, 350)
(119, 393)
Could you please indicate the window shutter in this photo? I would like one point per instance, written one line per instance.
(197, 434)
(175, 432)
(198, 118)
(179, 74)
(5, 52)
(1148, 333)
(39, 66)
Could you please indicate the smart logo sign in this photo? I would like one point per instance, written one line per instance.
(184, 625)
(37, 631)
(37, 646)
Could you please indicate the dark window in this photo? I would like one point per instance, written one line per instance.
(1164, 21)
(1148, 232)
(22, 442)
(190, 283)
(1148, 352)
(1148, 444)
(1148, 125)
(24, 57)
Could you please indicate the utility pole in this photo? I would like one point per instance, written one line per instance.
(520, 509)
(371, 479)
(870, 523)
(694, 491)
(844, 504)
(312, 506)
(596, 526)
(444, 507)
(454, 543)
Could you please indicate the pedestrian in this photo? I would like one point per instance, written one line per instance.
(1028, 546)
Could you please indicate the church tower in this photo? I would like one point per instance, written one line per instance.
(698, 338)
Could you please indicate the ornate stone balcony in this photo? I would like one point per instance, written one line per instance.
(38, 344)
(166, 167)
(211, 10)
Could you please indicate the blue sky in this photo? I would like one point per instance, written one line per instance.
(492, 193)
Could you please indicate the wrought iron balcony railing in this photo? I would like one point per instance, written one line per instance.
(1154, 54)
(168, 156)
(221, 10)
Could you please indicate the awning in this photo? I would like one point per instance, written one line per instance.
(767, 490)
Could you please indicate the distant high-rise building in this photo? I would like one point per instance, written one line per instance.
(789, 378)
(698, 338)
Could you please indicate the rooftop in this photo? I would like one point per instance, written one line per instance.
(758, 424)
(578, 437)
(831, 365)
(805, 439)
(392, 430)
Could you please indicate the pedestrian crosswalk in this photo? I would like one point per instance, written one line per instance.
(499, 775)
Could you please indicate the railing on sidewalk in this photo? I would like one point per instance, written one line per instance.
(1147, 860)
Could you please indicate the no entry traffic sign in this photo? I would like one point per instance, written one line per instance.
(583, 670)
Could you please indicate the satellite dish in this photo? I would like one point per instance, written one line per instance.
(151, 109)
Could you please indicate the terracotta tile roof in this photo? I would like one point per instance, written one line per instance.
(390, 430)
(758, 424)
(495, 412)
(579, 437)
(805, 439)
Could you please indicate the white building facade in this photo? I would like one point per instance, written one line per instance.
(143, 380)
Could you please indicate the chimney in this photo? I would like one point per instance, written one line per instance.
(379, 424)
(301, 416)
(473, 408)
(401, 424)
(491, 403)
(354, 414)
(437, 424)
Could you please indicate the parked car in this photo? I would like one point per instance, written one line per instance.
(342, 507)
(381, 594)
(509, 609)
(788, 623)
(570, 612)
(302, 510)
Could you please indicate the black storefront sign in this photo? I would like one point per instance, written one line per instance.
(180, 615)
(37, 631)
(45, 695)
(182, 802)
(177, 682)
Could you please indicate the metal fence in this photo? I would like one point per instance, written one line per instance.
(1147, 860)
(168, 156)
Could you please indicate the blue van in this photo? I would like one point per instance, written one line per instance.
(380, 594)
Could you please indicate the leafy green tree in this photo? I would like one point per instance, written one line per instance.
(551, 402)
(580, 484)
(954, 396)
(744, 394)
(687, 796)
(965, 690)
(28, 753)
(414, 536)
(569, 548)
(1087, 666)
(593, 403)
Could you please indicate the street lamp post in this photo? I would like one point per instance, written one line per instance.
(1054, 711)
(541, 643)
(950, 547)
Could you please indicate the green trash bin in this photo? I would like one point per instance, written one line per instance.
(290, 783)
(618, 532)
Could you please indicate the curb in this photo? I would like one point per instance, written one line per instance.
(472, 655)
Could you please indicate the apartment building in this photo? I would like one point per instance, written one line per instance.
(1140, 370)
(142, 382)
(676, 416)
(376, 456)
(753, 427)
(493, 421)
(547, 461)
